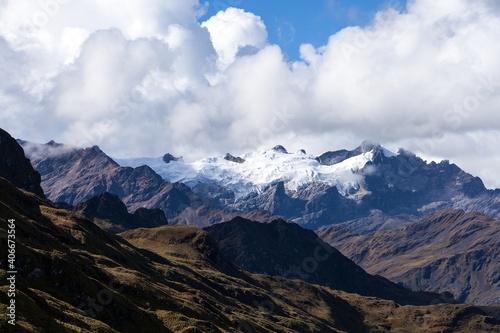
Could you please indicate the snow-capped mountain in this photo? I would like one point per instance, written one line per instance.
(255, 172)
(367, 188)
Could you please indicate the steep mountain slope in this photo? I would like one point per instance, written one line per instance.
(72, 275)
(285, 249)
(73, 176)
(15, 167)
(449, 251)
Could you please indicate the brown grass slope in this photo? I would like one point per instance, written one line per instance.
(449, 251)
(288, 250)
(75, 277)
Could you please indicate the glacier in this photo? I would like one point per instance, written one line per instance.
(261, 169)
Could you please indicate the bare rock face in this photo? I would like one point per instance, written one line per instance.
(15, 167)
(450, 251)
(235, 159)
(280, 149)
(167, 158)
(74, 176)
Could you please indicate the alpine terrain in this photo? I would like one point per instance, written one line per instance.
(102, 245)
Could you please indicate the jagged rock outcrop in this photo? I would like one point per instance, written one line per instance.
(280, 149)
(167, 158)
(231, 158)
(338, 156)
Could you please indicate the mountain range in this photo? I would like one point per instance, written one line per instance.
(102, 246)
(360, 191)
(75, 276)
(72, 176)
(365, 189)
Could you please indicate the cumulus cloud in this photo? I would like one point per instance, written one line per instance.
(234, 31)
(145, 78)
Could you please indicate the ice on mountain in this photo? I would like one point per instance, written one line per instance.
(255, 171)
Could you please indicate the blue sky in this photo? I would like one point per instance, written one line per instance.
(292, 23)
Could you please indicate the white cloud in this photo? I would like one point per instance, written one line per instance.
(233, 31)
(144, 78)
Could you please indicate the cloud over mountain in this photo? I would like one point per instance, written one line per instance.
(143, 78)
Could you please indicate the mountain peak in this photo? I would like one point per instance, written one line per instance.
(368, 145)
(111, 214)
(54, 144)
(167, 158)
(280, 148)
(95, 149)
(231, 158)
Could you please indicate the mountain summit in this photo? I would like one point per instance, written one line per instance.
(254, 172)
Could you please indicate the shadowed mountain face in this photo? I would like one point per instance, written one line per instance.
(73, 276)
(110, 213)
(15, 167)
(449, 251)
(286, 249)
